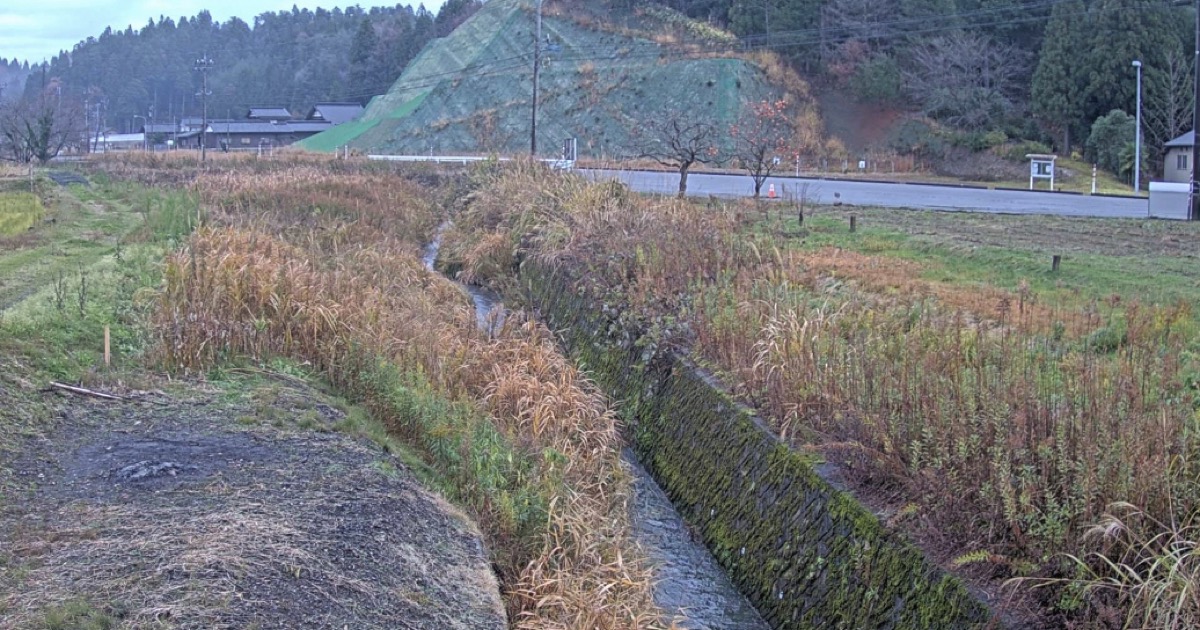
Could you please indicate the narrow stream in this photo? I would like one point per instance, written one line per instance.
(689, 584)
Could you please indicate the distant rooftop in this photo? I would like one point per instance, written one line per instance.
(266, 127)
(336, 113)
(1186, 140)
(269, 113)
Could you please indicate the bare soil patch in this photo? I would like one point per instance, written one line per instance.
(197, 512)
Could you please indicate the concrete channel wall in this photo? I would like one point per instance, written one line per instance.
(805, 554)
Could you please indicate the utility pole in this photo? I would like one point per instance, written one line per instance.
(1137, 134)
(1195, 210)
(537, 68)
(203, 65)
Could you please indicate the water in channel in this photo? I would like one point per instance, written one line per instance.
(689, 584)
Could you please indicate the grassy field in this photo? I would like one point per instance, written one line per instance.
(85, 265)
(995, 408)
(1154, 262)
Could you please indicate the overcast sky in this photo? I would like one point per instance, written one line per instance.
(36, 30)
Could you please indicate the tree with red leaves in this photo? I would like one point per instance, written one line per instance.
(764, 132)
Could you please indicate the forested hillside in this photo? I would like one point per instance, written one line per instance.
(12, 78)
(1032, 69)
(290, 58)
(969, 74)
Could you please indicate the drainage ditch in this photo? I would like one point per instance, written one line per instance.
(689, 583)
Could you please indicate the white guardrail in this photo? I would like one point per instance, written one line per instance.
(558, 165)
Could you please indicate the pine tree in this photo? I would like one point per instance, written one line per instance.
(362, 52)
(1121, 34)
(1060, 78)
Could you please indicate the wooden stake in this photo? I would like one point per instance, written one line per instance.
(852, 222)
(107, 354)
(1054, 262)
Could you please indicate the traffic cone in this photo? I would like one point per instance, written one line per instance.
(771, 191)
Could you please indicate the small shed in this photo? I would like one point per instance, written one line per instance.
(1177, 165)
(1041, 166)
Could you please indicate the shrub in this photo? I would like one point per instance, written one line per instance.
(1110, 135)
(878, 81)
(916, 137)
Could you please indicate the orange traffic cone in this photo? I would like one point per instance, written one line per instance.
(771, 191)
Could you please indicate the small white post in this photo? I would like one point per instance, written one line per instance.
(1093, 179)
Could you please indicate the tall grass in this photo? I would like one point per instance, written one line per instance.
(18, 212)
(1011, 422)
(322, 268)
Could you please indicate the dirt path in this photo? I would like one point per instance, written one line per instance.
(197, 512)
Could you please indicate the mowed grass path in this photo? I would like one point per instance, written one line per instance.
(78, 228)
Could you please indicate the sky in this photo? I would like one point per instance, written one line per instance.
(36, 30)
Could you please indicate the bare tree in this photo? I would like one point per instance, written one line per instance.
(761, 135)
(1168, 111)
(966, 79)
(40, 127)
(864, 22)
(680, 140)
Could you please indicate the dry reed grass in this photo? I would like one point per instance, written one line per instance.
(181, 168)
(1012, 423)
(298, 271)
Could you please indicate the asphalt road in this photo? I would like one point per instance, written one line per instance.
(925, 196)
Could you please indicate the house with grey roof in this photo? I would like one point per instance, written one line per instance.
(269, 113)
(241, 135)
(335, 113)
(1177, 166)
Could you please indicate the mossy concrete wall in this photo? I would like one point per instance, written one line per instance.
(805, 554)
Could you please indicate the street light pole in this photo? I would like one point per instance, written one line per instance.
(1137, 135)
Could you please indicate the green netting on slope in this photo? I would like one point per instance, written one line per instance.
(599, 84)
(337, 137)
(347, 133)
(445, 58)
(598, 103)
